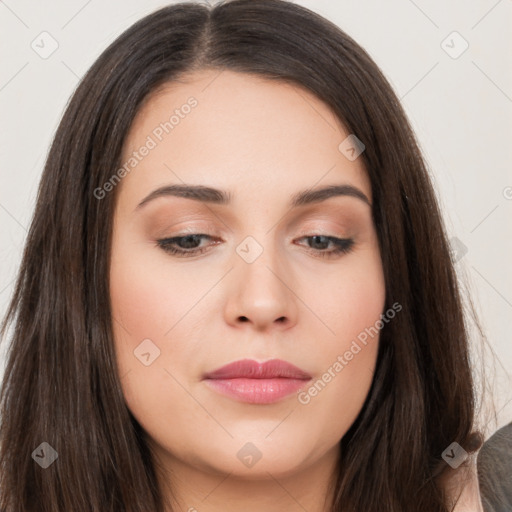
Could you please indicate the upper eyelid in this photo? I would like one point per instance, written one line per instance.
(302, 234)
(211, 228)
(346, 218)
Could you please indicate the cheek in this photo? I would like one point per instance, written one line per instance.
(352, 303)
(349, 299)
(151, 334)
(147, 307)
(148, 298)
(142, 304)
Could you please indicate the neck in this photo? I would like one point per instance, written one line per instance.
(207, 490)
(462, 488)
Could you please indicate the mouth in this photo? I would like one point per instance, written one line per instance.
(257, 383)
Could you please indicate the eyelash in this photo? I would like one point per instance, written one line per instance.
(342, 245)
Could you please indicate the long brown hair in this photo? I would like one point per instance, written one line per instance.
(61, 385)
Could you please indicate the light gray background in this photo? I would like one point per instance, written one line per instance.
(460, 107)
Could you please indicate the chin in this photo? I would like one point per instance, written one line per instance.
(259, 457)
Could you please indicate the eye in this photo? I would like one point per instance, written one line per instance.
(318, 244)
(189, 245)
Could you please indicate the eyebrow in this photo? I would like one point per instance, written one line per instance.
(221, 197)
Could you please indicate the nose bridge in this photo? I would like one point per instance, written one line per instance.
(261, 294)
(258, 261)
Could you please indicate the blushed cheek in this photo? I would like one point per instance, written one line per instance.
(354, 303)
(349, 363)
(149, 309)
(143, 300)
(137, 310)
(359, 302)
(142, 309)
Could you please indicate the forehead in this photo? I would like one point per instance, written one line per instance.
(234, 130)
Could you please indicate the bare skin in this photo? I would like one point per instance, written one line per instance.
(262, 141)
(462, 486)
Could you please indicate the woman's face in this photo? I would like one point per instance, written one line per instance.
(272, 277)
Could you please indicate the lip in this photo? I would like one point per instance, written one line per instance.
(257, 383)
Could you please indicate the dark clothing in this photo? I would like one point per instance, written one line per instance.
(494, 464)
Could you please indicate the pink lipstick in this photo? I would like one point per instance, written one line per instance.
(257, 383)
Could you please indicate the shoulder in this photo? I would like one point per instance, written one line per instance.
(495, 470)
(463, 490)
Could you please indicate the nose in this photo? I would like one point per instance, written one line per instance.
(261, 292)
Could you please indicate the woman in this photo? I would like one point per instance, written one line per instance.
(237, 291)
